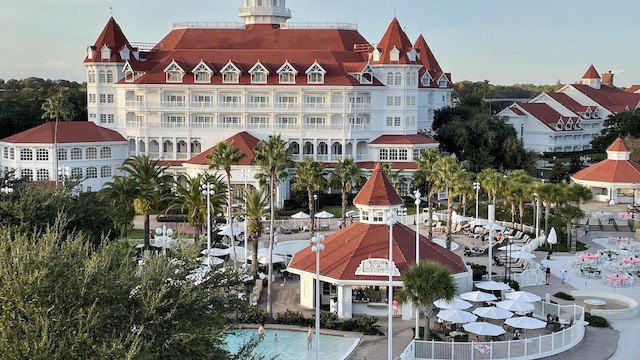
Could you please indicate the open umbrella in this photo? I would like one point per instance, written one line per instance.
(492, 312)
(226, 230)
(496, 227)
(514, 305)
(483, 328)
(522, 296)
(264, 259)
(523, 255)
(477, 296)
(479, 222)
(456, 303)
(300, 215)
(290, 248)
(323, 215)
(217, 252)
(525, 322)
(511, 247)
(456, 316)
(492, 286)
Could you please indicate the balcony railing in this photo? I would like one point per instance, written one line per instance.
(276, 106)
(133, 124)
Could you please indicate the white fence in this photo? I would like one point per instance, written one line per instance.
(529, 277)
(529, 348)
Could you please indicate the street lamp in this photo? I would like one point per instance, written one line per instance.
(391, 220)
(417, 195)
(63, 174)
(633, 206)
(6, 189)
(208, 189)
(246, 172)
(316, 247)
(166, 233)
(537, 212)
(476, 187)
(492, 218)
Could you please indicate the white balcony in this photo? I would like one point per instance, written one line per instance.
(286, 126)
(315, 106)
(182, 156)
(230, 105)
(259, 105)
(174, 105)
(172, 125)
(286, 106)
(202, 125)
(323, 157)
(199, 105)
(264, 11)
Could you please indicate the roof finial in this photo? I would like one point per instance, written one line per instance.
(394, 12)
(111, 10)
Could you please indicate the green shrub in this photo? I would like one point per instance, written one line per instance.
(253, 315)
(434, 336)
(290, 317)
(563, 296)
(514, 285)
(328, 320)
(596, 321)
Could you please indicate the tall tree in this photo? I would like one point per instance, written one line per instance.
(558, 172)
(121, 192)
(424, 176)
(394, 177)
(518, 184)
(58, 107)
(346, 176)
(424, 283)
(579, 193)
(569, 213)
(273, 158)
(151, 180)
(493, 182)
(256, 203)
(309, 177)
(449, 172)
(549, 194)
(622, 124)
(223, 156)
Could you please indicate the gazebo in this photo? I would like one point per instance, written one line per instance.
(354, 266)
(613, 178)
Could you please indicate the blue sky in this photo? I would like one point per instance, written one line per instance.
(504, 41)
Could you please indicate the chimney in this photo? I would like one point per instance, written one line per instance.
(607, 79)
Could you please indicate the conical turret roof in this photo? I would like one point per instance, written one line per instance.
(378, 190)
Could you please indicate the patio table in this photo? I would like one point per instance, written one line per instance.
(633, 261)
(588, 256)
(621, 279)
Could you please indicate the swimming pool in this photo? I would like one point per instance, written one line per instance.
(292, 345)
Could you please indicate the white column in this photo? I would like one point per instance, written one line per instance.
(345, 301)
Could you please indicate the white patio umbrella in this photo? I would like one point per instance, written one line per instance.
(456, 316)
(477, 296)
(514, 305)
(525, 322)
(323, 215)
(351, 213)
(456, 304)
(522, 255)
(492, 312)
(496, 227)
(483, 328)
(290, 248)
(213, 260)
(226, 230)
(217, 252)
(300, 215)
(479, 222)
(492, 285)
(553, 237)
(264, 259)
(511, 247)
(522, 296)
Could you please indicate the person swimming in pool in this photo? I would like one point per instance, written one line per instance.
(261, 332)
(309, 338)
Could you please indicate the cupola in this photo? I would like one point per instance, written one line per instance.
(264, 12)
(376, 198)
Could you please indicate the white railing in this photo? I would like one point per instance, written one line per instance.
(524, 349)
(319, 25)
(208, 25)
(532, 276)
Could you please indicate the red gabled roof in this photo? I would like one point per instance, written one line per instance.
(591, 73)
(611, 98)
(426, 56)
(618, 145)
(634, 89)
(114, 38)
(394, 37)
(68, 132)
(543, 112)
(243, 141)
(567, 102)
(516, 110)
(346, 248)
(413, 139)
(378, 190)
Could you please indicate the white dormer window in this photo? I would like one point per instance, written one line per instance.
(442, 82)
(569, 125)
(426, 79)
(596, 113)
(394, 54)
(412, 55)
(105, 53)
(202, 73)
(125, 53)
(174, 73)
(287, 73)
(230, 73)
(366, 76)
(578, 125)
(90, 52)
(559, 124)
(315, 74)
(129, 74)
(259, 73)
(587, 114)
(376, 54)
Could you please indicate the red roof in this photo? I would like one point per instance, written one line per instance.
(114, 38)
(346, 248)
(516, 110)
(591, 73)
(611, 98)
(378, 190)
(611, 171)
(568, 102)
(68, 132)
(634, 89)
(430, 64)
(413, 139)
(544, 113)
(618, 145)
(394, 37)
(242, 140)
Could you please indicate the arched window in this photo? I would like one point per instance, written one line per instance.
(308, 148)
(105, 152)
(109, 76)
(398, 79)
(102, 77)
(105, 171)
(91, 76)
(76, 173)
(390, 79)
(92, 172)
(294, 148)
(5, 152)
(92, 153)
(62, 154)
(336, 148)
(26, 155)
(76, 154)
(182, 146)
(322, 148)
(26, 174)
(196, 148)
(42, 155)
(42, 175)
(167, 146)
(12, 154)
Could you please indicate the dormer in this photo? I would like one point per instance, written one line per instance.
(366, 75)
(105, 53)
(174, 72)
(587, 114)
(287, 73)
(376, 54)
(560, 125)
(230, 73)
(376, 198)
(569, 124)
(125, 53)
(394, 54)
(129, 74)
(259, 73)
(202, 73)
(591, 78)
(596, 113)
(443, 81)
(412, 55)
(578, 124)
(91, 52)
(315, 73)
(426, 79)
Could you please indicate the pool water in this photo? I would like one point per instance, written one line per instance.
(292, 345)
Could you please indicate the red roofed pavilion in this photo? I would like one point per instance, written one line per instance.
(355, 259)
(614, 178)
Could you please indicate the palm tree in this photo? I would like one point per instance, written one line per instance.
(493, 182)
(58, 107)
(394, 176)
(579, 193)
(256, 202)
(309, 177)
(465, 191)
(570, 213)
(189, 198)
(222, 157)
(517, 187)
(548, 193)
(150, 181)
(273, 158)
(424, 283)
(449, 172)
(346, 176)
(121, 192)
(424, 176)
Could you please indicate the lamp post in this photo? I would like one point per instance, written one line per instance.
(316, 247)
(208, 189)
(63, 174)
(391, 220)
(537, 212)
(492, 218)
(245, 175)
(476, 187)
(633, 205)
(6, 189)
(166, 233)
(417, 195)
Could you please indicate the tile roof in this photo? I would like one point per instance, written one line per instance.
(543, 112)
(611, 171)
(394, 37)
(430, 64)
(242, 140)
(413, 139)
(591, 73)
(611, 98)
(346, 248)
(68, 132)
(634, 89)
(114, 38)
(618, 145)
(567, 102)
(378, 190)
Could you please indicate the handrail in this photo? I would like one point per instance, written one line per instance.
(600, 224)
